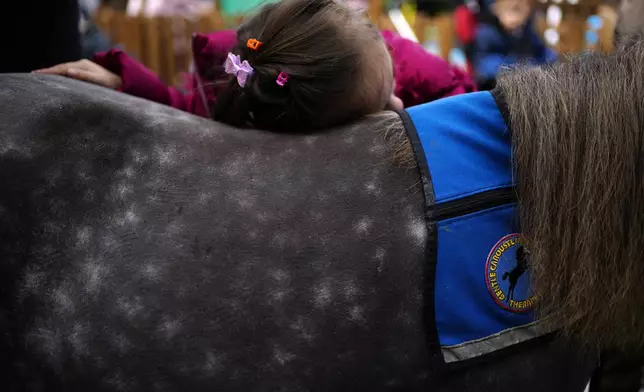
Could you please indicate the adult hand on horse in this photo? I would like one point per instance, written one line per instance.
(88, 71)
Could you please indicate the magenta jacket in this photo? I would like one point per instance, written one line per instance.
(420, 76)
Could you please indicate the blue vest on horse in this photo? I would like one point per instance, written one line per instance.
(477, 262)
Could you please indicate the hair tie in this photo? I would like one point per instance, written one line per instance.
(253, 44)
(282, 78)
(242, 70)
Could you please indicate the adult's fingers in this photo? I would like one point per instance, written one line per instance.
(62, 69)
(82, 74)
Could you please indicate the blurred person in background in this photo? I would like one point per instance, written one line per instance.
(505, 35)
(53, 36)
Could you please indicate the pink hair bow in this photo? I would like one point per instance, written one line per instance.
(242, 70)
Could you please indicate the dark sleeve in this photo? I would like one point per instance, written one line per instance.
(41, 34)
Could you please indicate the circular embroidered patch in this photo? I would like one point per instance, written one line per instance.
(506, 275)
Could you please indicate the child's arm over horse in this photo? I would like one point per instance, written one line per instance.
(142, 82)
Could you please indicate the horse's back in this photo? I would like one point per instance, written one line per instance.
(146, 249)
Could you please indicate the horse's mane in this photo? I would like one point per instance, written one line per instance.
(578, 139)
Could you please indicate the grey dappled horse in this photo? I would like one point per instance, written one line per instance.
(144, 249)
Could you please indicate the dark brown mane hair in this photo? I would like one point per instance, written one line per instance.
(578, 139)
(322, 46)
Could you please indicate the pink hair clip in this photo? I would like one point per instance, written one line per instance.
(282, 78)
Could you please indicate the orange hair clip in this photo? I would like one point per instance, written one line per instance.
(253, 44)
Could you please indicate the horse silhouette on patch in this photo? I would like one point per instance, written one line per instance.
(516, 272)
